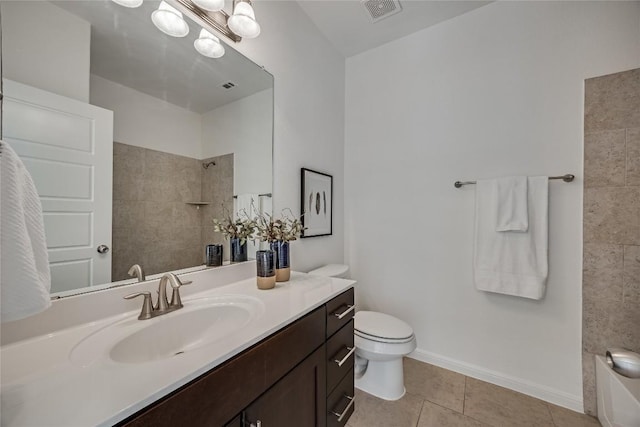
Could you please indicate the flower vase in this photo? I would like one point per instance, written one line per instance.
(265, 265)
(238, 250)
(283, 267)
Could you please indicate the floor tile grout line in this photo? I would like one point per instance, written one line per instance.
(420, 414)
(464, 394)
(551, 414)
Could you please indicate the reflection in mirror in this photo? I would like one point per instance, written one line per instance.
(135, 141)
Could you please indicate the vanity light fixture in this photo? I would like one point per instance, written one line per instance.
(210, 5)
(243, 21)
(208, 45)
(170, 21)
(128, 3)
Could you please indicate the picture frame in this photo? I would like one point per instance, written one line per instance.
(316, 203)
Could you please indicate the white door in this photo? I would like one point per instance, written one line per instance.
(67, 146)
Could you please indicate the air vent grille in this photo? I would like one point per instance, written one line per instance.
(380, 9)
(228, 85)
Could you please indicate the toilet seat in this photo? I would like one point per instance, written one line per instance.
(382, 328)
(382, 339)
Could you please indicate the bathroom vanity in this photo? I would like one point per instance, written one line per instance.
(288, 363)
(300, 376)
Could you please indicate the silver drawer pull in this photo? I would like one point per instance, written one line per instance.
(344, 413)
(349, 309)
(344, 359)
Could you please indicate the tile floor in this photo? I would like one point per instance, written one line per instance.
(437, 397)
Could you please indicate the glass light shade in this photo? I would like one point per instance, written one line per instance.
(170, 21)
(208, 45)
(128, 3)
(210, 5)
(243, 21)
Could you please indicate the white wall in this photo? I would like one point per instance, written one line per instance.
(309, 116)
(46, 47)
(497, 91)
(145, 121)
(244, 128)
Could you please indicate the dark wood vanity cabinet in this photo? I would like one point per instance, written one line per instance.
(301, 376)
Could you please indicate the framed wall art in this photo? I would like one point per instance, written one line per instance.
(316, 203)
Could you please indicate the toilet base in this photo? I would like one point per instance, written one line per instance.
(383, 379)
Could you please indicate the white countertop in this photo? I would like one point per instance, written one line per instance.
(41, 386)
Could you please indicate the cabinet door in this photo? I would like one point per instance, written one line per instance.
(298, 399)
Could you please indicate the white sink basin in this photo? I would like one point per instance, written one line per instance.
(201, 322)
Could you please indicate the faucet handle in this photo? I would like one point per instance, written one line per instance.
(147, 306)
(176, 301)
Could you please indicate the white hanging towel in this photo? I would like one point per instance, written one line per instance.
(25, 280)
(512, 262)
(511, 193)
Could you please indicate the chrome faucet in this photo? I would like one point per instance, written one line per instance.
(137, 271)
(162, 306)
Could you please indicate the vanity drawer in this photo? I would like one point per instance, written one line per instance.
(340, 403)
(340, 355)
(339, 311)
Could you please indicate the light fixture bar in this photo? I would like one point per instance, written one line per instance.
(214, 20)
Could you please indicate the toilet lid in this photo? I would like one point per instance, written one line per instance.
(381, 325)
(331, 270)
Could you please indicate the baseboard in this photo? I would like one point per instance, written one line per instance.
(547, 394)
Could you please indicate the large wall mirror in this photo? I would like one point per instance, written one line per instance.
(134, 139)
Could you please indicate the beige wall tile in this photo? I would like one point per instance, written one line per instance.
(158, 260)
(160, 188)
(186, 237)
(433, 415)
(604, 158)
(127, 214)
(563, 417)
(128, 172)
(633, 156)
(604, 325)
(589, 383)
(189, 257)
(612, 101)
(152, 237)
(499, 406)
(602, 271)
(440, 386)
(159, 164)
(631, 284)
(185, 215)
(612, 215)
(630, 326)
(159, 214)
(611, 219)
(157, 229)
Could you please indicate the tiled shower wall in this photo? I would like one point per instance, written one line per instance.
(611, 265)
(152, 223)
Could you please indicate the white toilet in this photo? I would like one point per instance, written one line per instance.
(381, 342)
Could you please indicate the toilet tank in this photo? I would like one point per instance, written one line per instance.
(331, 270)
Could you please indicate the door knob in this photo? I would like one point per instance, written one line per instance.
(103, 249)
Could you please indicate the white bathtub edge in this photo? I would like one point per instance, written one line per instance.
(627, 397)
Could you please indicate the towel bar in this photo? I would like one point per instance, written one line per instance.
(566, 178)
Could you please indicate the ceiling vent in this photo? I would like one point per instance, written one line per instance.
(381, 9)
(228, 85)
